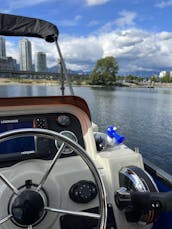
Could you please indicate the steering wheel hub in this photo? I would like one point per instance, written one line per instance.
(27, 208)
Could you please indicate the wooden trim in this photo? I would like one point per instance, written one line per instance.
(46, 100)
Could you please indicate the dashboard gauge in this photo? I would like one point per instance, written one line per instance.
(63, 120)
(70, 135)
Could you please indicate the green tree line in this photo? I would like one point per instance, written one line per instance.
(105, 73)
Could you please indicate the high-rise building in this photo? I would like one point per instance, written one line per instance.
(2, 48)
(25, 55)
(40, 62)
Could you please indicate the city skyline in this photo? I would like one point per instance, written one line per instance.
(137, 33)
(26, 61)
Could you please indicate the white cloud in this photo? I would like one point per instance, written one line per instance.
(78, 17)
(134, 49)
(73, 22)
(165, 35)
(126, 18)
(164, 4)
(93, 23)
(18, 4)
(81, 52)
(96, 2)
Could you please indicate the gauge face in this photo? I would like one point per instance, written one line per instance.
(70, 135)
(63, 120)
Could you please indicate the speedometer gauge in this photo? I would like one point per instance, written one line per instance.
(69, 135)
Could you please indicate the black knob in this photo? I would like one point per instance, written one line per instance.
(83, 191)
(28, 207)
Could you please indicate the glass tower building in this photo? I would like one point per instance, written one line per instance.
(40, 62)
(2, 48)
(25, 50)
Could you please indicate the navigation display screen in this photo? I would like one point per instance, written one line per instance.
(22, 145)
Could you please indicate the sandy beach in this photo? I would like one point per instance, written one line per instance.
(27, 81)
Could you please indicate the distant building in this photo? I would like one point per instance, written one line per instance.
(40, 62)
(162, 74)
(7, 64)
(25, 55)
(165, 73)
(2, 47)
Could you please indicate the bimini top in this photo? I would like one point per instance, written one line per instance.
(12, 25)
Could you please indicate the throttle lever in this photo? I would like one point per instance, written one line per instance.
(143, 200)
(152, 200)
(139, 206)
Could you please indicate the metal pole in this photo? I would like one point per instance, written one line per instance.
(64, 68)
(62, 78)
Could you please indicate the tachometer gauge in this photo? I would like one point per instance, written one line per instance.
(63, 120)
(71, 136)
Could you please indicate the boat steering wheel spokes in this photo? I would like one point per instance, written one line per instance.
(37, 201)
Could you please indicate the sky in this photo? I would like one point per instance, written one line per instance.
(138, 33)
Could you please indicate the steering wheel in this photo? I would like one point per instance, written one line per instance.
(32, 203)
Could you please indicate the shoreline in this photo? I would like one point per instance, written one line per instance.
(11, 81)
(148, 85)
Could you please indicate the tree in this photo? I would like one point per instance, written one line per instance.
(167, 78)
(104, 73)
(153, 78)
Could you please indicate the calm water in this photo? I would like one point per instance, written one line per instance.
(143, 115)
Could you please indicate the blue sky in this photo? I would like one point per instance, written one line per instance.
(137, 32)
